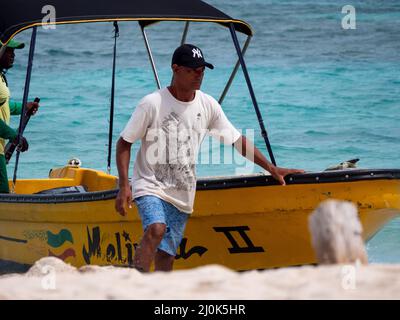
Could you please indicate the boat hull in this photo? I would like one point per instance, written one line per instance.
(241, 227)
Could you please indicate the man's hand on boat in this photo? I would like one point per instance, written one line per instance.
(280, 173)
(248, 150)
(124, 200)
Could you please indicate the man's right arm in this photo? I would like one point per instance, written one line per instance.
(124, 197)
(135, 129)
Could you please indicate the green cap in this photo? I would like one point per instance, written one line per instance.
(15, 44)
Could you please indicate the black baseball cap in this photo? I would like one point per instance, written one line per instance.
(190, 56)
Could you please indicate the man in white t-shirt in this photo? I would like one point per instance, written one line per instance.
(171, 124)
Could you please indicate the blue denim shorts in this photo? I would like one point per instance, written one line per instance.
(155, 210)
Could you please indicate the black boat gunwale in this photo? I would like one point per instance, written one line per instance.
(220, 183)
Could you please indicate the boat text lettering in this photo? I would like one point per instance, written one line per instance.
(236, 248)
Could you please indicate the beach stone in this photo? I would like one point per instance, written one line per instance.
(50, 264)
(336, 233)
(106, 268)
(89, 269)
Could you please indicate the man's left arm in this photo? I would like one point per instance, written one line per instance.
(223, 129)
(247, 149)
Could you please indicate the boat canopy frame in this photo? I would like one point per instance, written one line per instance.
(7, 33)
(13, 20)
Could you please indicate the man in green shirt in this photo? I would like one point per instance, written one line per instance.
(8, 108)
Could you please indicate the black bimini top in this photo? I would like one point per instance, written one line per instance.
(18, 15)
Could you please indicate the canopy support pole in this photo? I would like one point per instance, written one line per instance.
(24, 102)
(2, 50)
(185, 32)
(233, 75)
(111, 129)
(153, 65)
(253, 96)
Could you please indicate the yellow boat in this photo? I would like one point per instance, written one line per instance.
(246, 222)
(243, 222)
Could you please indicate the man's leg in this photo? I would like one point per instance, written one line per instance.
(163, 261)
(176, 222)
(146, 251)
(3, 176)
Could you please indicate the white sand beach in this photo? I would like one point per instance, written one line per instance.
(50, 278)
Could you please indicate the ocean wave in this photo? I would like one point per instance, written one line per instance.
(316, 133)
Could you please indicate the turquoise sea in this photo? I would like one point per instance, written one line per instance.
(326, 94)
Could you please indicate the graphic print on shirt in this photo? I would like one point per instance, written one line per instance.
(178, 171)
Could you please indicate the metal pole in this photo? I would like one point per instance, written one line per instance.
(253, 96)
(153, 65)
(228, 85)
(116, 35)
(25, 100)
(185, 32)
(2, 50)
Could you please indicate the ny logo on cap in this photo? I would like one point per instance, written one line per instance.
(197, 52)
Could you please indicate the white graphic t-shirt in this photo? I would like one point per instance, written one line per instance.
(171, 132)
